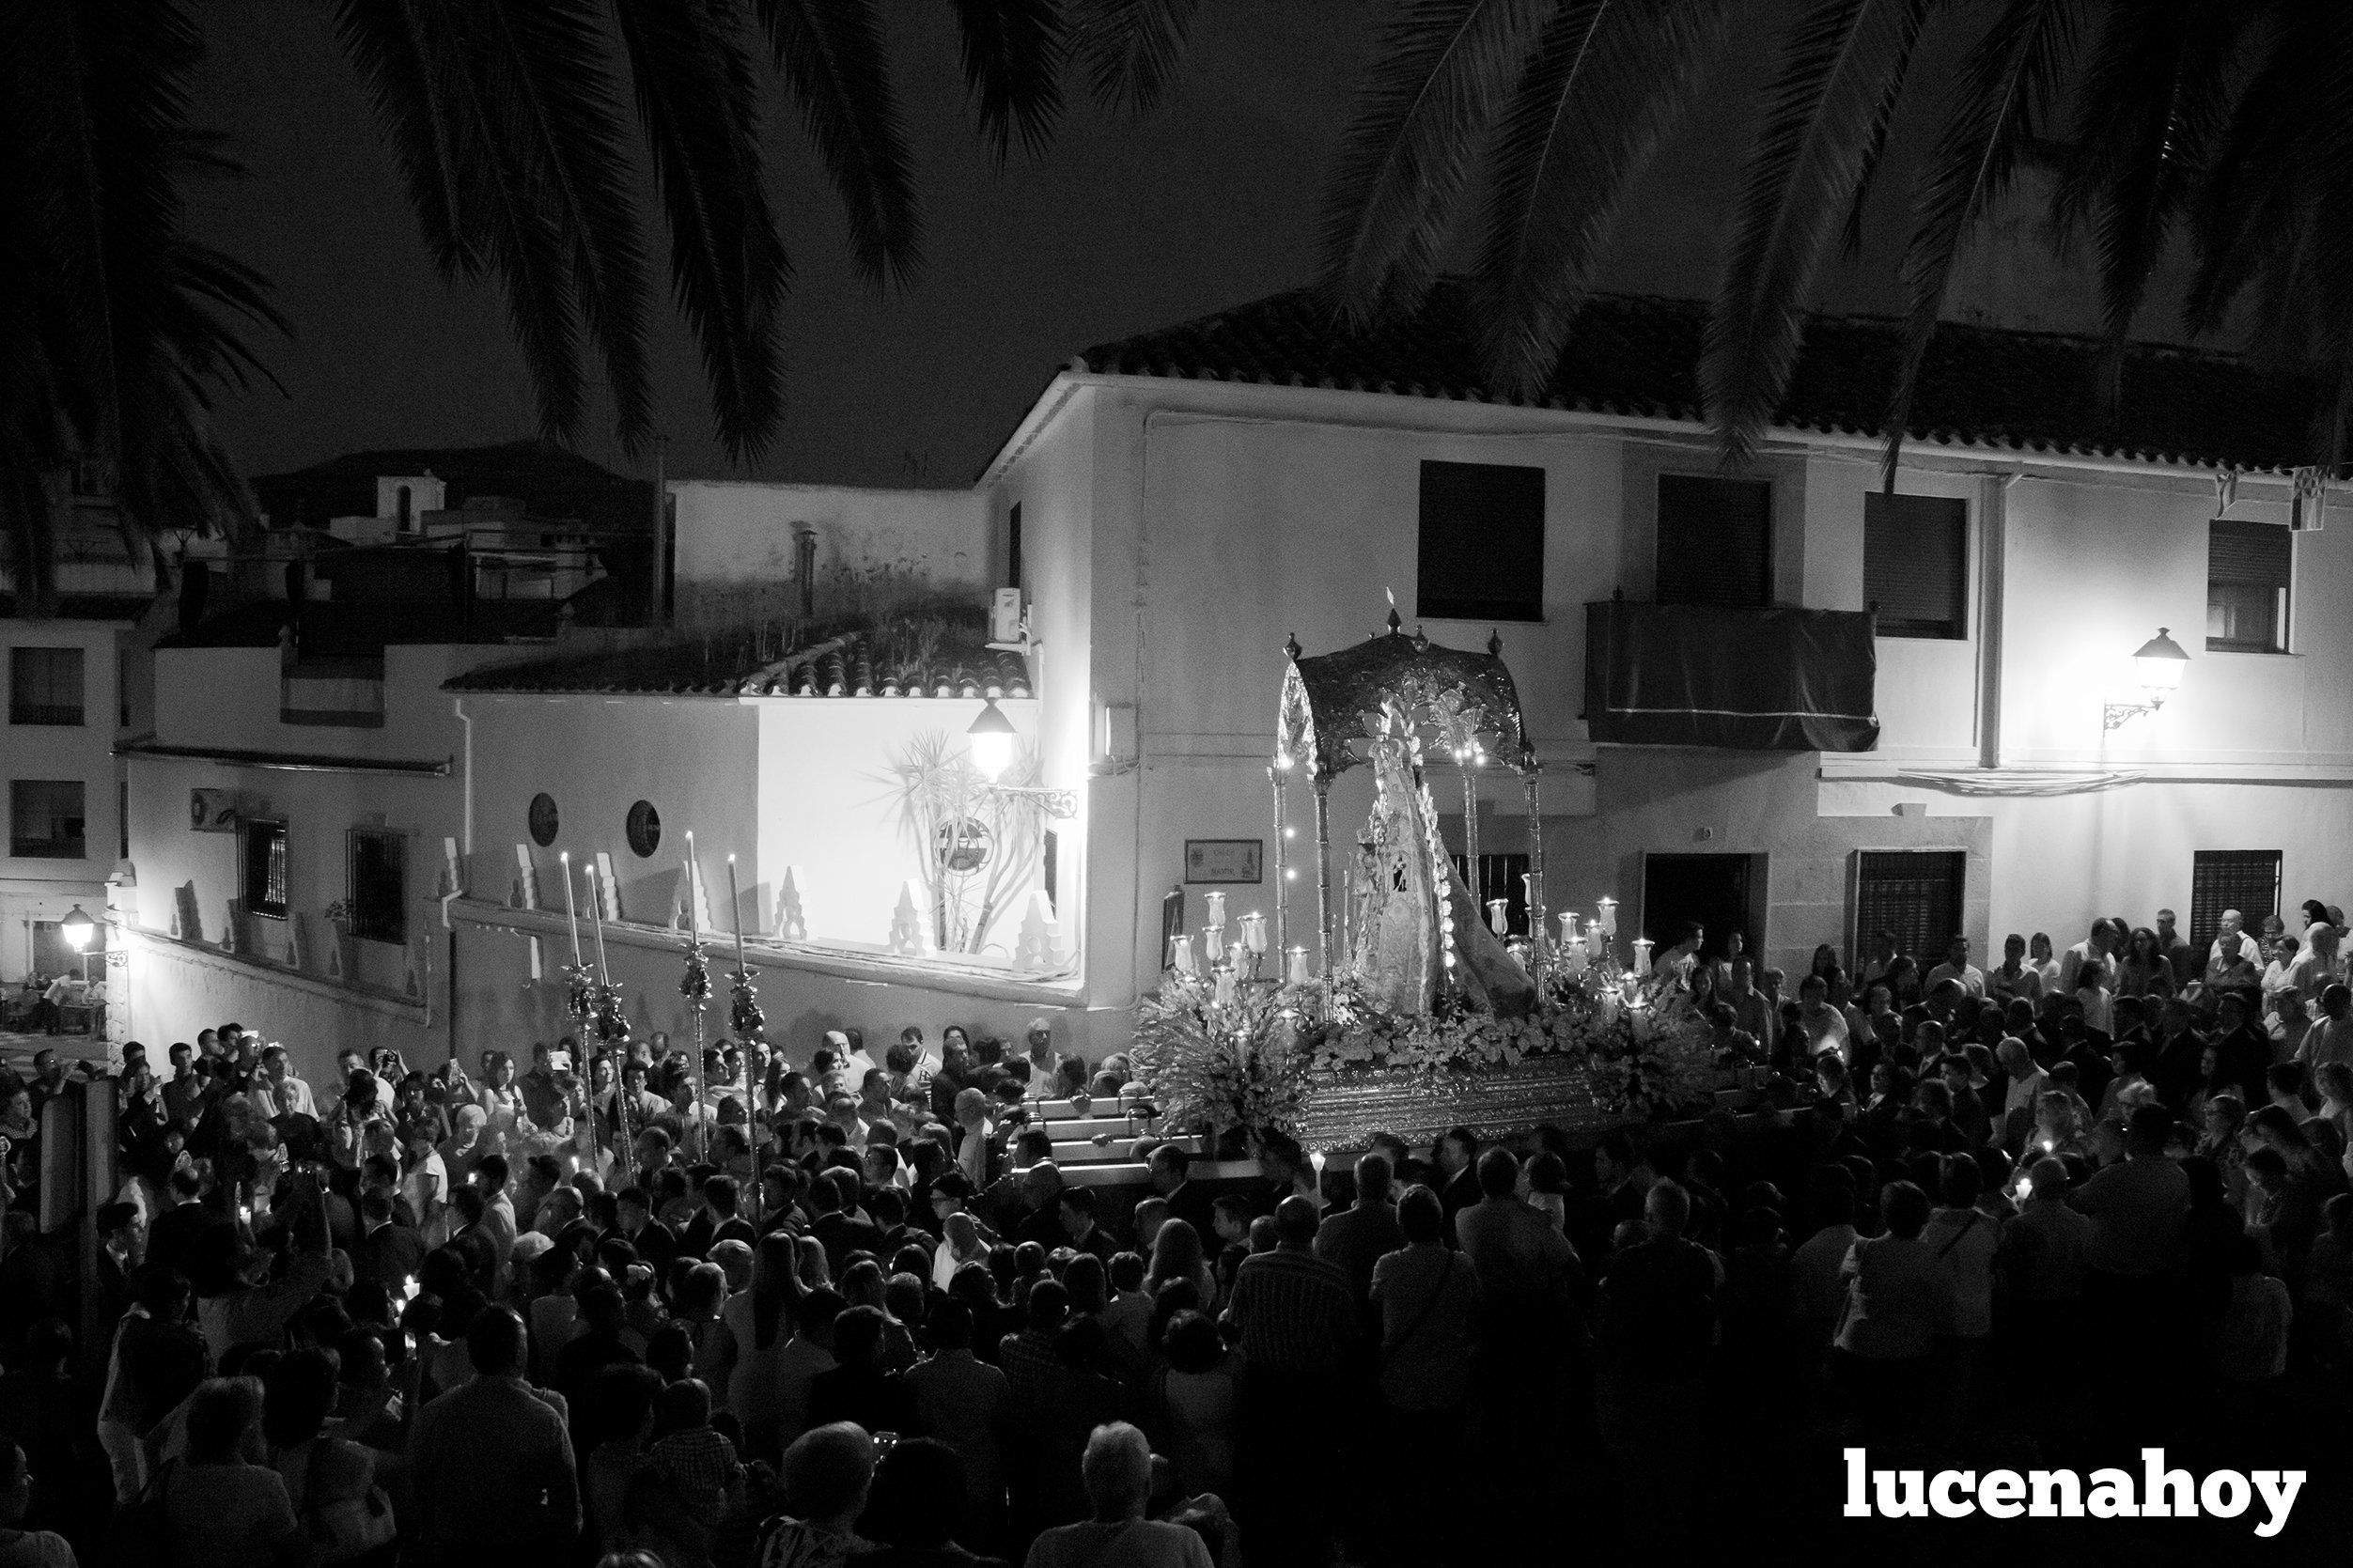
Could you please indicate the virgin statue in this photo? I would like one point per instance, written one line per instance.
(1394, 950)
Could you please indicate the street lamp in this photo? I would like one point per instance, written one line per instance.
(2159, 664)
(990, 742)
(78, 928)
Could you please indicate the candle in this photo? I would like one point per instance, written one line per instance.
(735, 908)
(1593, 938)
(1608, 916)
(1568, 927)
(1296, 971)
(595, 921)
(1180, 954)
(1498, 915)
(571, 906)
(694, 932)
(1254, 932)
(1642, 955)
(1213, 941)
(1224, 986)
(1316, 1160)
(1217, 911)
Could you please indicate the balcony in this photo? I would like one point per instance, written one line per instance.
(1741, 678)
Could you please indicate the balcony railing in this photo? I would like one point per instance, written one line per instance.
(1762, 679)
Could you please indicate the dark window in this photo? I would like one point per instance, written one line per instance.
(2249, 568)
(1503, 877)
(544, 819)
(644, 828)
(2247, 880)
(1915, 564)
(1914, 894)
(378, 885)
(44, 686)
(1013, 548)
(264, 847)
(1715, 540)
(1482, 549)
(45, 819)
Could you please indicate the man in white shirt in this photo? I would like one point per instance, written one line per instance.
(2100, 944)
(1117, 1473)
(277, 1090)
(2232, 920)
(1825, 1029)
(2024, 1087)
(1956, 967)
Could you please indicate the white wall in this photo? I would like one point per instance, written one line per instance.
(45, 889)
(737, 558)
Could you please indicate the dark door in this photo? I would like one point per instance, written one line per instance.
(1723, 892)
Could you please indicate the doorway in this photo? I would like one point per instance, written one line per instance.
(1723, 892)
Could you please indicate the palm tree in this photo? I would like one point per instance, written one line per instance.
(517, 126)
(2219, 123)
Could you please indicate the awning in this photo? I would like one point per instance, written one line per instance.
(1745, 679)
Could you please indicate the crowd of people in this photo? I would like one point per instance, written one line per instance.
(731, 1312)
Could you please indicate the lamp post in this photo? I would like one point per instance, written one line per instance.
(2160, 663)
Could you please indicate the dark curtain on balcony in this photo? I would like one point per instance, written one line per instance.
(1746, 679)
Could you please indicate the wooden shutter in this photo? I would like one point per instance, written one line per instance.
(1915, 564)
(2247, 880)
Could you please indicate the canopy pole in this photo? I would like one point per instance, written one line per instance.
(1276, 775)
(1323, 871)
(1536, 869)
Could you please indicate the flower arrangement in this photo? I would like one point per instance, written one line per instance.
(612, 1023)
(580, 993)
(1216, 1066)
(695, 984)
(1253, 1063)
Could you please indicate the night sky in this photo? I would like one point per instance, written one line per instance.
(1122, 226)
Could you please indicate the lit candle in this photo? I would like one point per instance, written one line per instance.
(694, 932)
(1213, 942)
(572, 907)
(1316, 1160)
(1568, 928)
(1608, 916)
(1224, 986)
(1593, 938)
(1217, 911)
(1254, 932)
(1642, 955)
(1297, 970)
(1180, 954)
(1498, 915)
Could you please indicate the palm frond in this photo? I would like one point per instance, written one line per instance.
(2010, 83)
(1013, 54)
(1129, 48)
(1843, 62)
(697, 104)
(831, 54)
(1605, 80)
(1439, 73)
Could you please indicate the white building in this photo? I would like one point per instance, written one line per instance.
(71, 689)
(1175, 507)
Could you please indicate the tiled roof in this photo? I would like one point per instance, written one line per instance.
(363, 627)
(1638, 357)
(854, 666)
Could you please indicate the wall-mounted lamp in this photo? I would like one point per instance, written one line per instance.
(2160, 663)
(990, 741)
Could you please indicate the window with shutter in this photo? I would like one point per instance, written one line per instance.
(1915, 564)
(1914, 894)
(2250, 566)
(1715, 540)
(378, 875)
(1482, 542)
(2247, 880)
(264, 847)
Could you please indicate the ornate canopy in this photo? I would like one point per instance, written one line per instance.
(1334, 704)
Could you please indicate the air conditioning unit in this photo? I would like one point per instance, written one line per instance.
(212, 811)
